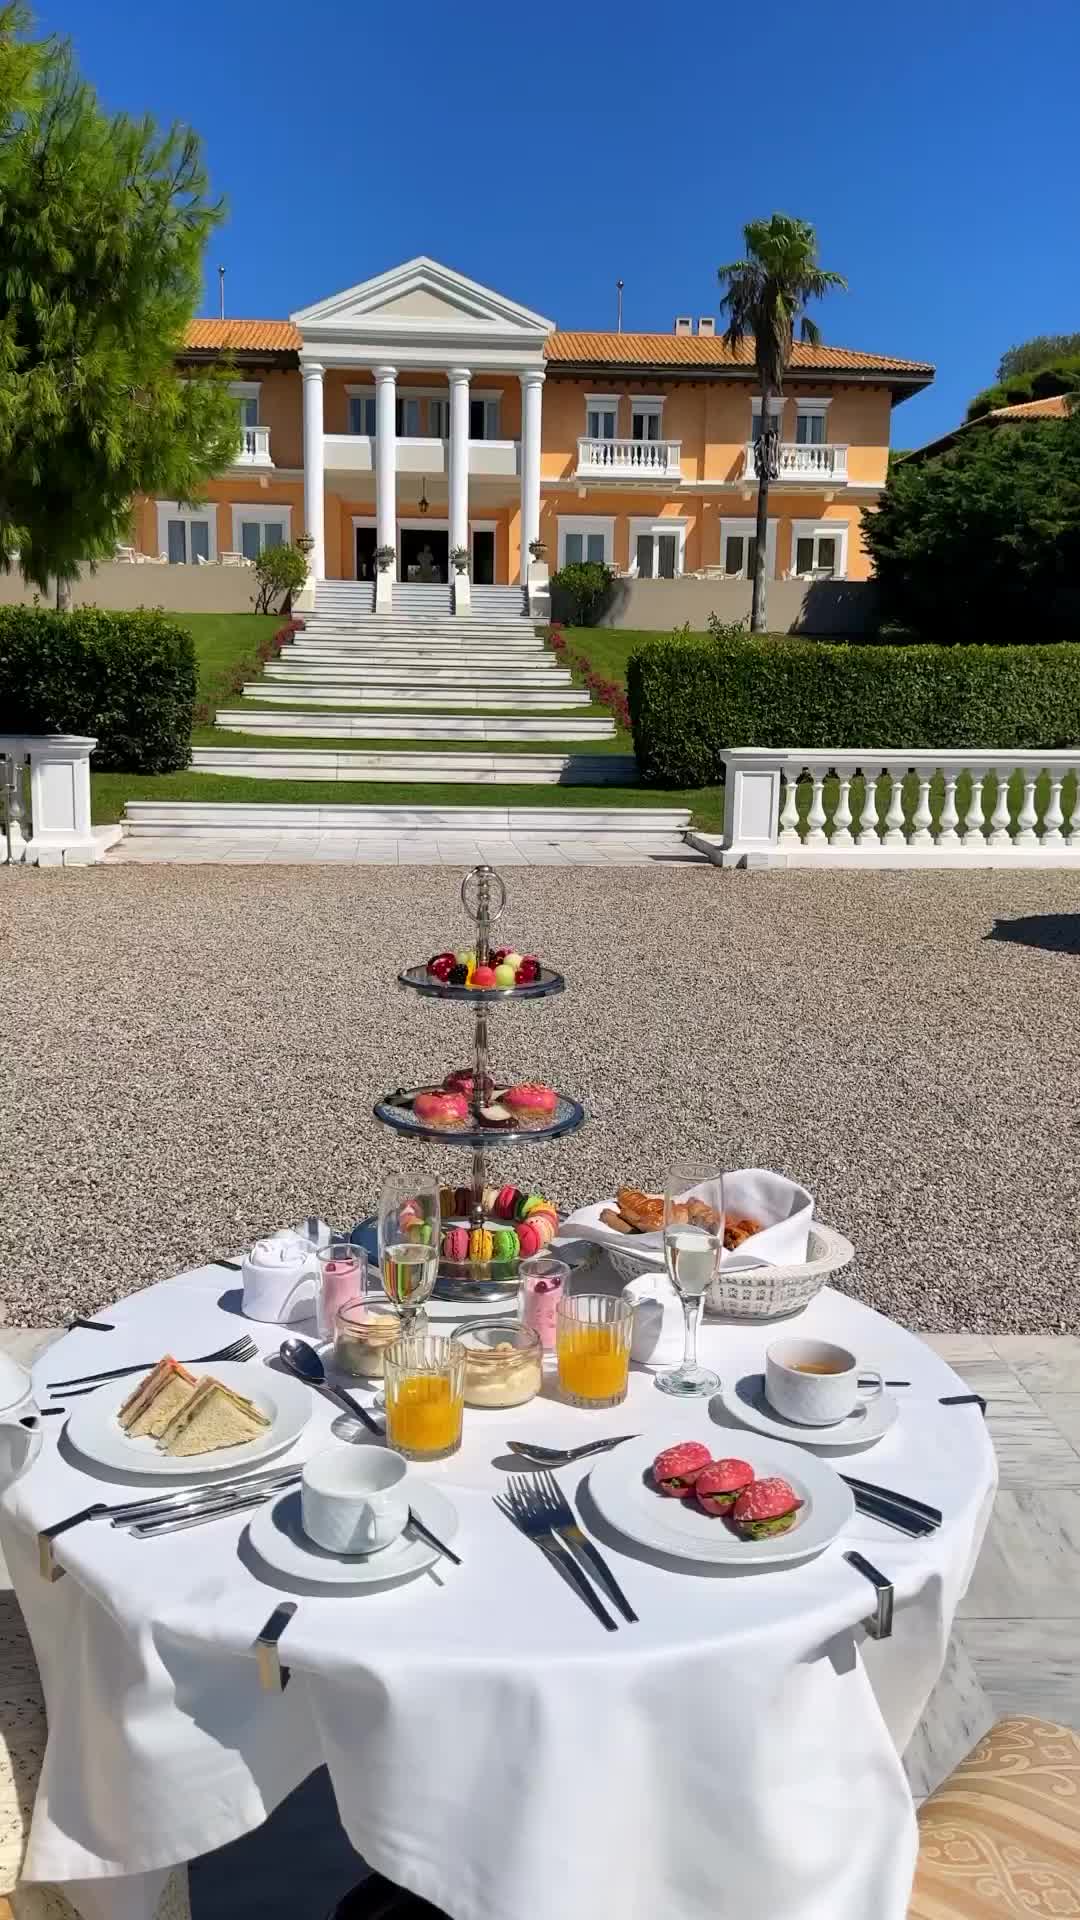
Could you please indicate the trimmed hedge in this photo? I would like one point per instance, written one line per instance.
(127, 678)
(692, 698)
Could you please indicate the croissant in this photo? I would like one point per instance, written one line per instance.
(645, 1211)
(738, 1230)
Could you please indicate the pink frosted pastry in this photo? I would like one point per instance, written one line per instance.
(532, 1106)
(447, 1111)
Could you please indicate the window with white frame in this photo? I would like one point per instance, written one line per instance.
(601, 416)
(776, 412)
(811, 422)
(484, 416)
(819, 549)
(256, 528)
(738, 548)
(438, 418)
(646, 415)
(657, 548)
(407, 409)
(582, 538)
(187, 536)
(362, 410)
(246, 395)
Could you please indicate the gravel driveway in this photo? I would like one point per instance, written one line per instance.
(190, 1055)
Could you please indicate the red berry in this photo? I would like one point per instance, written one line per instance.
(529, 969)
(440, 964)
(499, 955)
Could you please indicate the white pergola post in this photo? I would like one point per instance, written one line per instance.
(314, 465)
(458, 378)
(532, 389)
(386, 461)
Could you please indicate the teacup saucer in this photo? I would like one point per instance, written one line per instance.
(276, 1533)
(746, 1402)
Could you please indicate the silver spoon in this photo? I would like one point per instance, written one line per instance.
(562, 1456)
(306, 1364)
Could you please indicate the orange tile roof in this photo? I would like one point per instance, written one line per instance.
(711, 350)
(1053, 409)
(233, 336)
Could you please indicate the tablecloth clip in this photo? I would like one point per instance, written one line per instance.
(964, 1400)
(48, 1566)
(880, 1624)
(273, 1677)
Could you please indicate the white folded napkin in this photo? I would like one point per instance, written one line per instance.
(280, 1274)
(659, 1327)
(785, 1208)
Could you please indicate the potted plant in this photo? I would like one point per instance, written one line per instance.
(460, 559)
(384, 558)
(538, 549)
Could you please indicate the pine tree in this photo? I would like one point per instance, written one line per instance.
(103, 224)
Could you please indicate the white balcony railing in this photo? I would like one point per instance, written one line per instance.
(867, 808)
(254, 447)
(824, 463)
(629, 460)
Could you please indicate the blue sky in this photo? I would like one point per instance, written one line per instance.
(549, 151)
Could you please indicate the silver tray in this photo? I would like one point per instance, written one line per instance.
(419, 979)
(394, 1111)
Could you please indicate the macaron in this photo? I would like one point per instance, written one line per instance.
(480, 1245)
(505, 1202)
(531, 1204)
(529, 1239)
(447, 1202)
(463, 1201)
(488, 1199)
(543, 1226)
(456, 1243)
(504, 1242)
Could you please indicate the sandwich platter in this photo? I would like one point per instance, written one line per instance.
(622, 1486)
(285, 1403)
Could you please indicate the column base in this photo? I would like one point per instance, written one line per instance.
(384, 592)
(462, 593)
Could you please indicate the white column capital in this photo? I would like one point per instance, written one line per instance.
(533, 377)
(312, 369)
(459, 376)
(383, 374)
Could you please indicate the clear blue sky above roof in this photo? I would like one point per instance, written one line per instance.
(551, 153)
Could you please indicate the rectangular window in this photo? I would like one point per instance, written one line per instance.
(484, 418)
(600, 423)
(408, 419)
(644, 556)
(594, 547)
(776, 415)
(826, 555)
(667, 554)
(438, 419)
(199, 533)
(249, 412)
(819, 551)
(187, 541)
(810, 429)
(574, 549)
(256, 534)
(804, 556)
(177, 543)
(582, 539)
(362, 413)
(656, 552)
(645, 420)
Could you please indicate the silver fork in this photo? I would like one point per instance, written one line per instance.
(242, 1349)
(522, 1504)
(564, 1523)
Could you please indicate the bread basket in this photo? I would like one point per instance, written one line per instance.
(758, 1293)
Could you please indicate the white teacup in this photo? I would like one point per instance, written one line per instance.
(353, 1499)
(815, 1383)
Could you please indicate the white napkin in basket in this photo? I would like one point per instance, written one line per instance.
(786, 1209)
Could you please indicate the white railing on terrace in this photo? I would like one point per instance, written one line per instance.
(56, 810)
(865, 808)
(824, 462)
(254, 447)
(629, 459)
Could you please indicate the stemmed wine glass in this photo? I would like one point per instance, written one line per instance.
(693, 1243)
(409, 1242)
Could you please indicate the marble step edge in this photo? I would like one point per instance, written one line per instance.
(528, 699)
(509, 769)
(435, 726)
(480, 675)
(201, 816)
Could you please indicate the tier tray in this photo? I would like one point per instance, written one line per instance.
(420, 981)
(394, 1111)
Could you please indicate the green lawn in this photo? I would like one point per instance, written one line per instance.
(609, 648)
(225, 641)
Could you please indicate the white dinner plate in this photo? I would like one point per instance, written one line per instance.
(621, 1485)
(276, 1533)
(745, 1401)
(94, 1429)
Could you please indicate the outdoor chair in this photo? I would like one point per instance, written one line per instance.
(22, 1749)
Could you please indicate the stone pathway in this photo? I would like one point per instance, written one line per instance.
(294, 847)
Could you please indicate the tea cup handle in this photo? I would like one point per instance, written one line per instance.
(871, 1385)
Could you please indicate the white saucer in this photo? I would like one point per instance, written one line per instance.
(278, 1537)
(746, 1403)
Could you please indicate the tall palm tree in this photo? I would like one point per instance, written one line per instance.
(765, 296)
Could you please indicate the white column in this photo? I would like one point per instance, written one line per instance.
(314, 464)
(386, 459)
(459, 456)
(532, 388)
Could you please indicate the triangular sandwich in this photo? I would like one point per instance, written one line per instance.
(214, 1417)
(158, 1396)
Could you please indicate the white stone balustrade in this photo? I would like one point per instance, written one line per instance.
(629, 459)
(60, 833)
(254, 447)
(824, 462)
(797, 809)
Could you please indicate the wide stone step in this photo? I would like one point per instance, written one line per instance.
(483, 769)
(326, 648)
(404, 629)
(182, 818)
(413, 726)
(299, 672)
(500, 699)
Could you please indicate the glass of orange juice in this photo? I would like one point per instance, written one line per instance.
(424, 1387)
(592, 1347)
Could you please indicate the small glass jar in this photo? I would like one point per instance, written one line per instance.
(342, 1277)
(543, 1281)
(363, 1330)
(503, 1363)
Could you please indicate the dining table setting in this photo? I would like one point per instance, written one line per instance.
(609, 1596)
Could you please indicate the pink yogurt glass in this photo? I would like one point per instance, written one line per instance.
(543, 1282)
(342, 1277)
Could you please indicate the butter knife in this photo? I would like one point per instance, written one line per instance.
(184, 1517)
(273, 1677)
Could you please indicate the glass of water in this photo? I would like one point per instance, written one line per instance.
(693, 1243)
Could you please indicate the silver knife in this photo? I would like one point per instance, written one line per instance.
(194, 1516)
(164, 1503)
(273, 1677)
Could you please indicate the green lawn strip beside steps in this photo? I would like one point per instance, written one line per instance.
(428, 743)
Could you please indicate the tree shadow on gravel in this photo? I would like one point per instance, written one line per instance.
(1054, 932)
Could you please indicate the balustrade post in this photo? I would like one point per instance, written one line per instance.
(947, 835)
(1027, 817)
(894, 819)
(974, 834)
(815, 819)
(751, 805)
(1053, 817)
(842, 817)
(999, 819)
(869, 834)
(789, 819)
(922, 818)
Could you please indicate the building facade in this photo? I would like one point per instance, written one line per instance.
(423, 412)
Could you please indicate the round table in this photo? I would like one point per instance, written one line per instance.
(491, 1747)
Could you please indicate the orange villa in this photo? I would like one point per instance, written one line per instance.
(424, 412)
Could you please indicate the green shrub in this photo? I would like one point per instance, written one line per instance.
(586, 586)
(692, 699)
(280, 572)
(127, 678)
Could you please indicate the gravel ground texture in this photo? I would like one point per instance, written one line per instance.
(190, 1057)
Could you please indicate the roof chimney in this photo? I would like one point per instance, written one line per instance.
(707, 324)
(684, 323)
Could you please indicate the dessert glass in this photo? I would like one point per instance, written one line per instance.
(503, 1363)
(342, 1277)
(363, 1330)
(424, 1387)
(592, 1347)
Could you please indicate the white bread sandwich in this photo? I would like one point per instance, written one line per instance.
(213, 1417)
(158, 1396)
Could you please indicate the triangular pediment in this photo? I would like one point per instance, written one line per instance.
(422, 298)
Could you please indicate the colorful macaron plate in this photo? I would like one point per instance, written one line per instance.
(463, 976)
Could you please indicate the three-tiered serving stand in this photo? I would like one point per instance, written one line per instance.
(483, 896)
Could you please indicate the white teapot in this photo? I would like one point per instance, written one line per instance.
(20, 1422)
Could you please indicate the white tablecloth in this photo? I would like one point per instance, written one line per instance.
(491, 1747)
